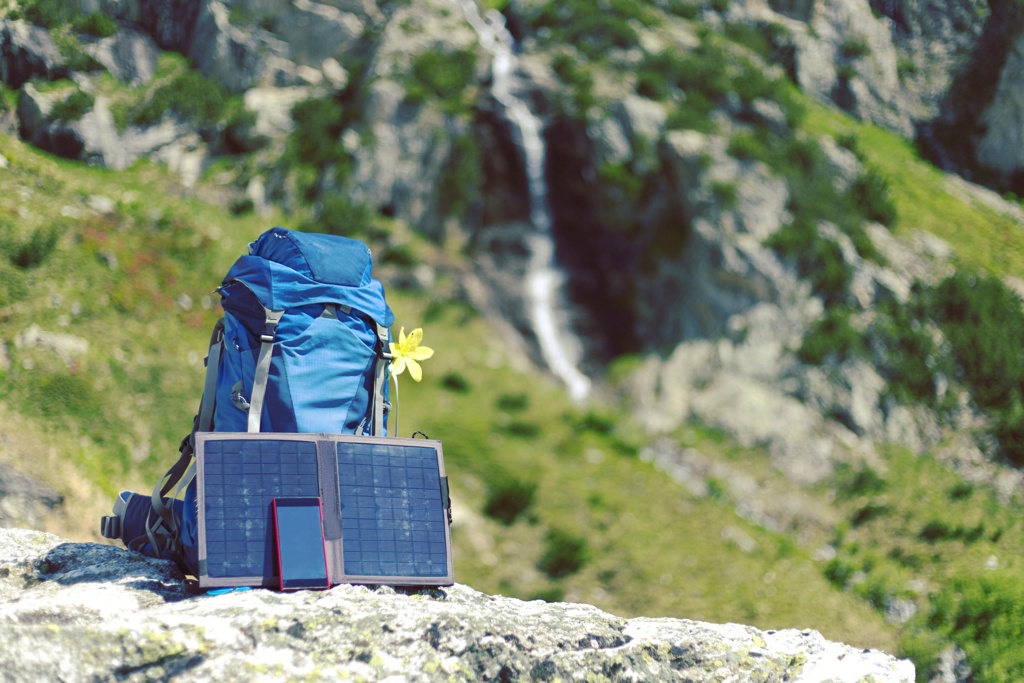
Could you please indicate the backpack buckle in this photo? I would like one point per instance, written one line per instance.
(110, 526)
(270, 325)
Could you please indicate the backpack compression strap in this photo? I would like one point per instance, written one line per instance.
(259, 381)
(380, 373)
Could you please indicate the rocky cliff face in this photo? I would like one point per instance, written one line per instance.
(76, 612)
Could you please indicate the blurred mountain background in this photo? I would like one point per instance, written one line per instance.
(725, 296)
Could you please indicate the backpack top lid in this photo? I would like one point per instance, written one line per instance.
(286, 268)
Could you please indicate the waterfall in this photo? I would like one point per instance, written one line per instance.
(544, 280)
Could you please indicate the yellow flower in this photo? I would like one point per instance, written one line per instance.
(407, 351)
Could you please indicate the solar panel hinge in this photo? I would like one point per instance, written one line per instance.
(446, 500)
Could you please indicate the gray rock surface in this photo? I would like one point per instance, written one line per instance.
(27, 52)
(1002, 145)
(23, 500)
(84, 612)
(129, 55)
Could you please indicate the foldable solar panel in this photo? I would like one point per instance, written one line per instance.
(385, 506)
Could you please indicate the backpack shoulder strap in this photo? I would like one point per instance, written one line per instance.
(262, 375)
(379, 378)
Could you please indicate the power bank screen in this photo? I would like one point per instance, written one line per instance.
(301, 557)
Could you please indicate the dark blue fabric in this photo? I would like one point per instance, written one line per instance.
(330, 259)
(136, 514)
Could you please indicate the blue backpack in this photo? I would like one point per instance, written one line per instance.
(302, 347)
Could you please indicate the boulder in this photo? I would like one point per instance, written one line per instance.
(23, 500)
(28, 52)
(316, 32)
(129, 55)
(83, 612)
(96, 139)
(1001, 147)
(223, 52)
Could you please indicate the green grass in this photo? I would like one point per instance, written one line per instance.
(982, 238)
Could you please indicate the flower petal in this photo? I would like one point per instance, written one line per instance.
(421, 353)
(396, 351)
(398, 365)
(401, 338)
(415, 370)
(415, 338)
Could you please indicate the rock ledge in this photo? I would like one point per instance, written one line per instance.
(77, 612)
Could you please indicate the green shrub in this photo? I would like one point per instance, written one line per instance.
(549, 594)
(693, 113)
(725, 193)
(701, 70)
(96, 24)
(871, 195)
(58, 395)
(32, 252)
(839, 572)
(401, 255)
(622, 178)
(513, 402)
(982, 319)
(508, 499)
(817, 259)
(50, 13)
(194, 97)
(867, 513)
(339, 215)
(941, 530)
(598, 421)
(456, 382)
(74, 56)
(854, 47)
(523, 429)
(910, 359)
(854, 483)
(592, 28)
(962, 490)
(241, 206)
(576, 98)
(442, 77)
(686, 9)
(564, 554)
(316, 139)
(834, 336)
(750, 37)
(749, 145)
(73, 107)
